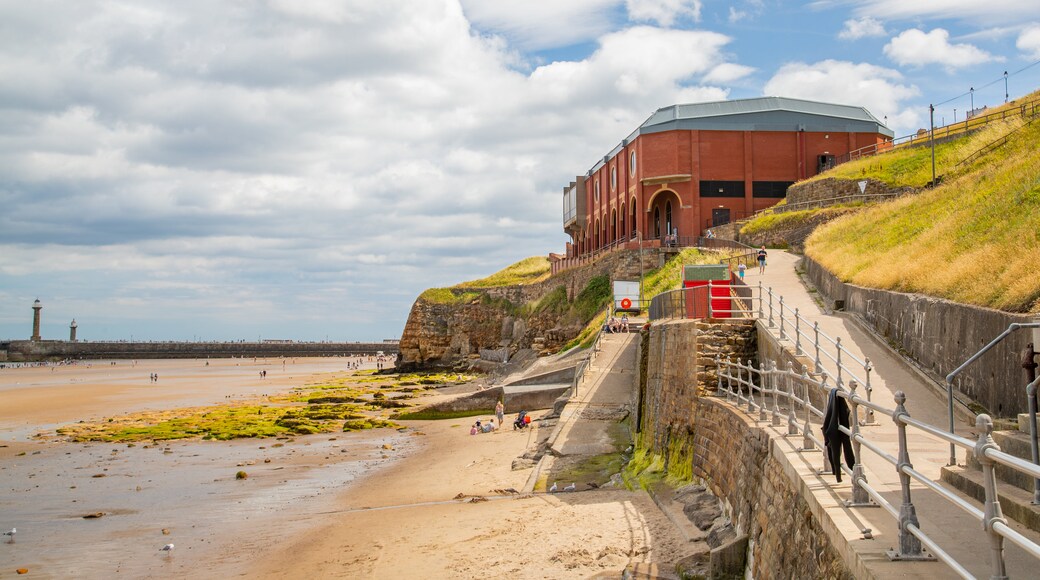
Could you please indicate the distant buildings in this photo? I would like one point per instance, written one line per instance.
(692, 167)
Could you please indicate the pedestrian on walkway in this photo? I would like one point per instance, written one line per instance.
(762, 260)
(740, 270)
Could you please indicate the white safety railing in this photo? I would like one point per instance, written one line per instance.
(845, 366)
(785, 396)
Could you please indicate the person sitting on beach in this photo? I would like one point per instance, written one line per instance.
(474, 429)
(489, 426)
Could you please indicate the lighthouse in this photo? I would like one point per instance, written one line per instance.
(37, 306)
(72, 331)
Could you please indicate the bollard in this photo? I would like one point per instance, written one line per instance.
(909, 545)
(860, 498)
(993, 512)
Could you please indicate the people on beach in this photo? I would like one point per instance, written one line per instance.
(500, 412)
(489, 426)
(474, 429)
(762, 260)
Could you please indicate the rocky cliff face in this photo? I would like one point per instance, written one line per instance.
(493, 323)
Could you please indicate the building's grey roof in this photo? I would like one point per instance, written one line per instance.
(758, 114)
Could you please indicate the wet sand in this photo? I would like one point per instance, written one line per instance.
(330, 506)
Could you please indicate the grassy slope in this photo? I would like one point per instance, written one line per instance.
(526, 271)
(975, 239)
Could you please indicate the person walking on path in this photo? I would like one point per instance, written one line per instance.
(762, 260)
(500, 412)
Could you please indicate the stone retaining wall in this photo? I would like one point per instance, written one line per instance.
(940, 335)
(829, 188)
(738, 461)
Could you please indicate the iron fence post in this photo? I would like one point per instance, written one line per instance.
(729, 382)
(1034, 444)
(868, 416)
(776, 395)
(909, 545)
(816, 342)
(993, 512)
(792, 420)
(762, 415)
(718, 375)
(837, 341)
(760, 299)
(751, 407)
(807, 442)
(797, 332)
(771, 307)
(782, 336)
(859, 493)
(711, 312)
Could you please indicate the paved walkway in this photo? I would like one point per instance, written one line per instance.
(953, 529)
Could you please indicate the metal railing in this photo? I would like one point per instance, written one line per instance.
(712, 300)
(819, 346)
(784, 395)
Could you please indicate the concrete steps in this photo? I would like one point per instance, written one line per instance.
(1014, 489)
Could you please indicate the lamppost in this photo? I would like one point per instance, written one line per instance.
(955, 114)
(1005, 87)
(971, 92)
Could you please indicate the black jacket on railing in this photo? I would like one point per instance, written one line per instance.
(834, 438)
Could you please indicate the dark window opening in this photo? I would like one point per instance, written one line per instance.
(774, 189)
(722, 189)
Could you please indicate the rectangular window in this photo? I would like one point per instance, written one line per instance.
(722, 189)
(774, 189)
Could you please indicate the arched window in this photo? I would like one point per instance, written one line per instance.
(613, 178)
(668, 218)
(622, 231)
(613, 225)
(596, 189)
(632, 225)
(632, 164)
(657, 222)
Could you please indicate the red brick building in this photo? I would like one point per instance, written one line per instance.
(691, 167)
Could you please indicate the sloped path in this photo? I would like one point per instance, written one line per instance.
(954, 530)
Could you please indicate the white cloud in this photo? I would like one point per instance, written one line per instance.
(1029, 41)
(736, 15)
(861, 28)
(881, 90)
(917, 48)
(153, 154)
(728, 72)
(992, 12)
(663, 12)
(541, 24)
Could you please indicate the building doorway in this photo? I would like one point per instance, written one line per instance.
(719, 216)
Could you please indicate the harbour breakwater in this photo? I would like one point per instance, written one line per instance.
(28, 350)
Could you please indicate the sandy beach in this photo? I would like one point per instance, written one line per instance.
(383, 503)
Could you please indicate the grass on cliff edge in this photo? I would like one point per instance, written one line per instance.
(974, 239)
(526, 271)
(912, 166)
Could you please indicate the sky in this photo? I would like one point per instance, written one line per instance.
(303, 169)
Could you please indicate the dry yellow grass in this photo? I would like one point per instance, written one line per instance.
(975, 239)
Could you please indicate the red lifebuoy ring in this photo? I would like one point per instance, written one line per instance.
(626, 303)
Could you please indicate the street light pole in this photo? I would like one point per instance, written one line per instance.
(1005, 87)
(971, 92)
(931, 136)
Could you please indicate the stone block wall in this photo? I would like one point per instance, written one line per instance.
(737, 460)
(940, 336)
(823, 189)
(681, 369)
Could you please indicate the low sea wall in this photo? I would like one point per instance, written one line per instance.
(25, 350)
